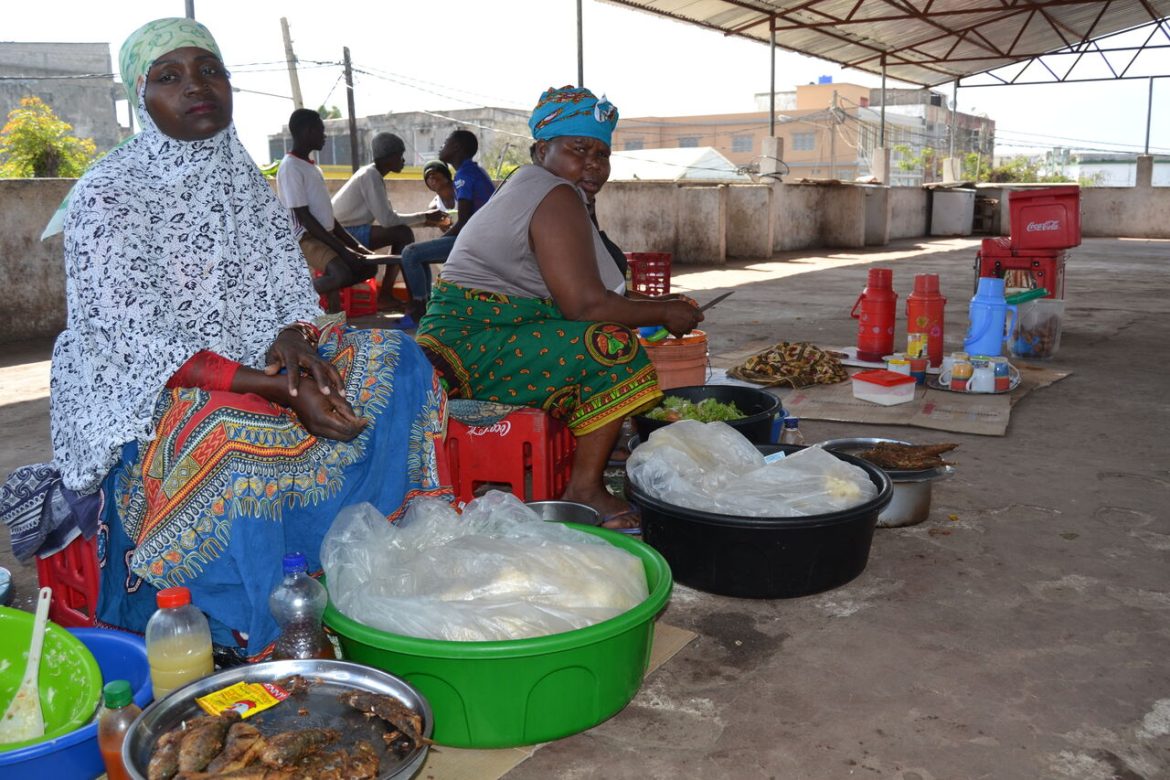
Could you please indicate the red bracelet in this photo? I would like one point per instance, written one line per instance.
(309, 332)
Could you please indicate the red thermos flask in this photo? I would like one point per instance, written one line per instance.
(924, 319)
(874, 311)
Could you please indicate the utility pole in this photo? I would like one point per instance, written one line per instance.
(190, 5)
(353, 141)
(293, 80)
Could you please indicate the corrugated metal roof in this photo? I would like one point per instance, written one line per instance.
(927, 42)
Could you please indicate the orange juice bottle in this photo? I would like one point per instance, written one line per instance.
(118, 712)
(178, 642)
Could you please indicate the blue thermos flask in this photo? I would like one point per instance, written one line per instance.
(990, 326)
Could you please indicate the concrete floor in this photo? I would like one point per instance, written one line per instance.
(1020, 632)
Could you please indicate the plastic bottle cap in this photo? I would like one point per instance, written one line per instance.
(117, 693)
(926, 284)
(294, 562)
(791, 422)
(173, 597)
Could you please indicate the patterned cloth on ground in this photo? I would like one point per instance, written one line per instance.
(796, 364)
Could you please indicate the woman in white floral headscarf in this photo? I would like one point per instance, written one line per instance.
(191, 386)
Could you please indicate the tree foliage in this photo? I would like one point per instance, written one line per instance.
(36, 143)
(332, 112)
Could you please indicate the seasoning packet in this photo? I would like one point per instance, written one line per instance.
(244, 697)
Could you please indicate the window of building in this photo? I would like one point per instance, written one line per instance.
(804, 142)
(688, 141)
(633, 145)
(741, 143)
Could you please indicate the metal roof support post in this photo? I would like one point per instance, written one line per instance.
(1149, 113)
(190, 9)
(580, 47)
(772, 70)
(882, 126)
(954, 117)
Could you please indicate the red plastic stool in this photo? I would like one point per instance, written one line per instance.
(527, 450)
(75, 577)
(357, 300)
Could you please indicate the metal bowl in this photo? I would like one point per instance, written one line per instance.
(912, 488)
(329, 678)
(565, 512)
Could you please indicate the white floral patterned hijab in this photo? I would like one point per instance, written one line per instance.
(171, 247)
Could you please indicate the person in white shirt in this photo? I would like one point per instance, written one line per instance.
(327, 246)
(363, 207)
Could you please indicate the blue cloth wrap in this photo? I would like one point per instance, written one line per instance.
(573, 111)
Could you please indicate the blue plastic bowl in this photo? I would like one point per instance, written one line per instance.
(120, 656)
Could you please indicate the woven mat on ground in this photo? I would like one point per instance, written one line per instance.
(980, 413)
(444, 763)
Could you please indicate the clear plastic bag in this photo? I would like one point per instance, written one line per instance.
(495, 572)
(712, 467)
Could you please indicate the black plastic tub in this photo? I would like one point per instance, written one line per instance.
(764, 557)
(761, 408)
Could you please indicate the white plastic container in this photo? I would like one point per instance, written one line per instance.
(887, 388)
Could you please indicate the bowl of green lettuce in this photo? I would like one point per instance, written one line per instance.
(750, 411)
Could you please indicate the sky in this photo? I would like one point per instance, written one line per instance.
(435, 56)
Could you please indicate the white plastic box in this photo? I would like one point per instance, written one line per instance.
(887, 388)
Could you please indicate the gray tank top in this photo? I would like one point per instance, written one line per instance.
(492, 252)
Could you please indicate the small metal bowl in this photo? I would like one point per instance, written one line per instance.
(565, 512)
(912, 489)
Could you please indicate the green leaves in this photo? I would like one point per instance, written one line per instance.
(36, 143)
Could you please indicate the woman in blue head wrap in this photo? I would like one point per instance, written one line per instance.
(529, 308)
(196, 388)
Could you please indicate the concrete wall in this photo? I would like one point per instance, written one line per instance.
(697, 224)
(32, 271)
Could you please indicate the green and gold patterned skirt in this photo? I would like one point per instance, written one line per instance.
(522, 351)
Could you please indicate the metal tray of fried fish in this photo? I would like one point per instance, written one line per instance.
(322, 708)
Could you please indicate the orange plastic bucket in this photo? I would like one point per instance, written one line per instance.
(679, 362)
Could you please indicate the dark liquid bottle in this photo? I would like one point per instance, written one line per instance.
(298, 603)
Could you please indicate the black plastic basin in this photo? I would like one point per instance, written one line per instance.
(764, 557)
(761, 408)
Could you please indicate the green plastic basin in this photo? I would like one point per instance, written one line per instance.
(70, 680)
(522, 691)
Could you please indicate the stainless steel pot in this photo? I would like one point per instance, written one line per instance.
(912, 489)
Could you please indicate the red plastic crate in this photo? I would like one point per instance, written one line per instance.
(1044, 268)
(357, 300)
(75, 577)
(1047, 218)
(527, 451)
(649, 272)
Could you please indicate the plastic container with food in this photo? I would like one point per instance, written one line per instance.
(759, 408)
(1037, 335)
(880, 386)
(494, 694)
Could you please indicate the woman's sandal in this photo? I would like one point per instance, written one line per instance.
(630, 510)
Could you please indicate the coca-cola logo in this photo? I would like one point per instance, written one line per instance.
(1043, 227)
(500, 428)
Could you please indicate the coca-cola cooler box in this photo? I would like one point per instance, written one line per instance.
(1045, 218)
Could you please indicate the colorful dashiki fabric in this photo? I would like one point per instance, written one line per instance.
(522, 351)
(230, 478)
